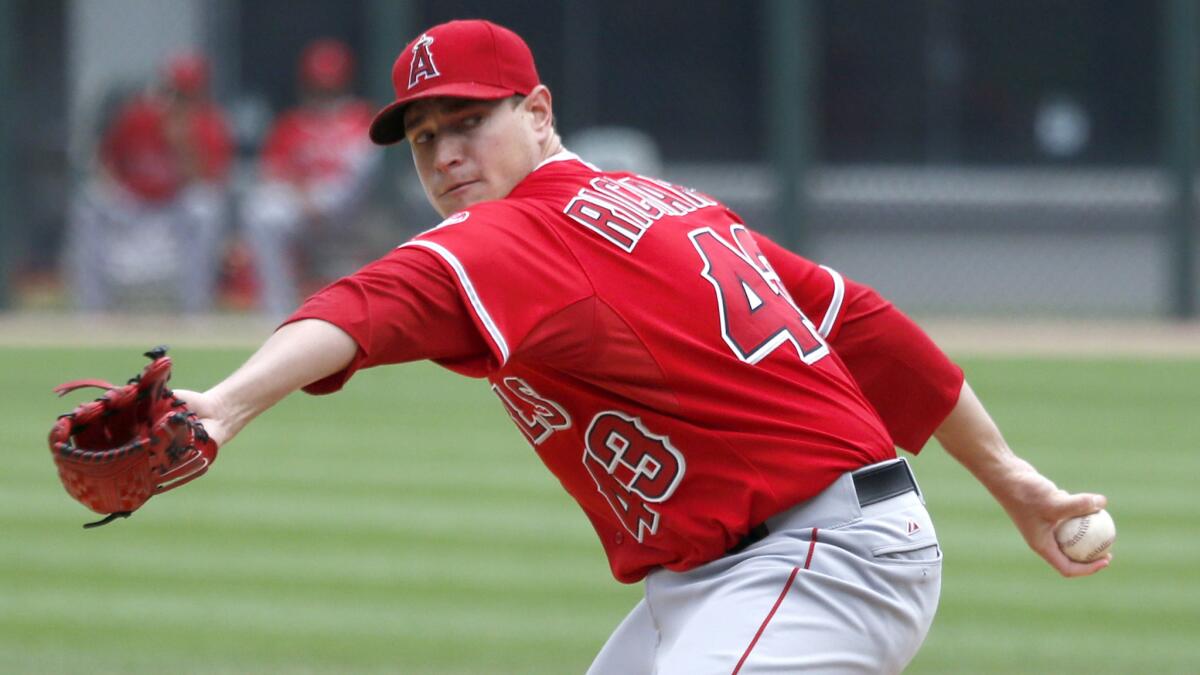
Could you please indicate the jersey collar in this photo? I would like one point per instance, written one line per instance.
(563, 156)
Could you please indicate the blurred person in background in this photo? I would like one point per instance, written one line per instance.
(316, 166)
(152, 209)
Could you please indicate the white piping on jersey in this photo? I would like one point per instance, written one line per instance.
(469, 288)
(835, 305)
(563, 156)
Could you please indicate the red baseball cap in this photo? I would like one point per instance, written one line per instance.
(463, 59)
(326, 64)
(187, 72)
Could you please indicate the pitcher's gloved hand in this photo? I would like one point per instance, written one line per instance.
(135, 441)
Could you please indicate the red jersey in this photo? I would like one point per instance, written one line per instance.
(153, 161)
(314, 144)
(645, 343)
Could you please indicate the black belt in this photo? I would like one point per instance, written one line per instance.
(873, 484)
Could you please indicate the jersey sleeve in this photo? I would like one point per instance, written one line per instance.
(215, 143)
(911, 383)
(512, 273)
(276, 154)
(400, 308)
(111, 142)
(137, 131)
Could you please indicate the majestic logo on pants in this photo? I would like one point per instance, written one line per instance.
(422, 67)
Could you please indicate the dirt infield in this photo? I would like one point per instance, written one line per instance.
(1067, 338)
(27, 329)
(1083, 338)
(1074, 337)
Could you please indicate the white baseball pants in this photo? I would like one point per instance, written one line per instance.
(834, 588)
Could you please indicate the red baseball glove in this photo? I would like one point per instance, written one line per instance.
(132, 443)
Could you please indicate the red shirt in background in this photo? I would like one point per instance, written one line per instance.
(312, 144)
(154, 160)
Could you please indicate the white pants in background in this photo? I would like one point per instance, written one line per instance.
(116, 240)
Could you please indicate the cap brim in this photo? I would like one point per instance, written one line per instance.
(388, 126)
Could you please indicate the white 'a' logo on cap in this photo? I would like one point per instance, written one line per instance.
(422, 67)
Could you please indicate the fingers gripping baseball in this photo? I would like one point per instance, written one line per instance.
(133, 442)
(1041, 509)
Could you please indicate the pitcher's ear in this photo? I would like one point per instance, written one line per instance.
(540, 104)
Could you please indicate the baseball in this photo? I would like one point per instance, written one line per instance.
(1086, 538)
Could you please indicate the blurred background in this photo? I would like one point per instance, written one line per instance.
(184, 171)
(994, 158)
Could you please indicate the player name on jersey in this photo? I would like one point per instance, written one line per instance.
(621, 210)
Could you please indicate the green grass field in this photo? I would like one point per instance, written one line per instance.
(403, 526)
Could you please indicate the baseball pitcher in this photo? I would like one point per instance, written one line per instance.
(725, 412)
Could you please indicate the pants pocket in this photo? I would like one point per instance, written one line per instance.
(913, 553)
